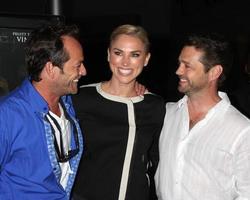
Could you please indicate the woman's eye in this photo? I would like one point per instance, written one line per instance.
(135, 55)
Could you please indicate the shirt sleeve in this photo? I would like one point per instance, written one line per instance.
(3, 140)
(241, 163)
(5, 190)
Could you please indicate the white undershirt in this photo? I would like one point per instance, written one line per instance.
(66, 136)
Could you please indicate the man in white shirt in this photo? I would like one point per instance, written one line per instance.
(205, 141)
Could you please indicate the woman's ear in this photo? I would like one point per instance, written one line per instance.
(147, 59)
(108, 54)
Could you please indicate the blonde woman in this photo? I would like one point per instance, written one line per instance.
(121, 129)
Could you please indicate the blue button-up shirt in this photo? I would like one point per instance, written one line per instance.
(28, 165)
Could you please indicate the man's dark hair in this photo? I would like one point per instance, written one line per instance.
(45, 44)
(216, 51)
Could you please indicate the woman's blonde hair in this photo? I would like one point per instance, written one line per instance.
(132, 30)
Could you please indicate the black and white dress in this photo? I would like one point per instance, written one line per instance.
(121, 136)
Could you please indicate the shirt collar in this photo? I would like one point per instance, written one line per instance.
(36, 101)
(224, 100)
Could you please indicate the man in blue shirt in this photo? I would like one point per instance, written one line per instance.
(40, 138)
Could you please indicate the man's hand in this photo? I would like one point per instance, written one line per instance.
(140, 89)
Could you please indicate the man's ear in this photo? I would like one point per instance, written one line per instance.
(215, 72)
(49, 68)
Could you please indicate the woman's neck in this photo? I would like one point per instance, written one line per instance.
(122, 90)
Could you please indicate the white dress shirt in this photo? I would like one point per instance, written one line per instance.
(209, 162)
(65, 128)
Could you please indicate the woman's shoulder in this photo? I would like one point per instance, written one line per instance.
(83, 89)
(91, 85)
(154, 98)
(85, 92)
(156, 102)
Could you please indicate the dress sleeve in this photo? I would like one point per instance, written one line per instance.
(154, 150)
